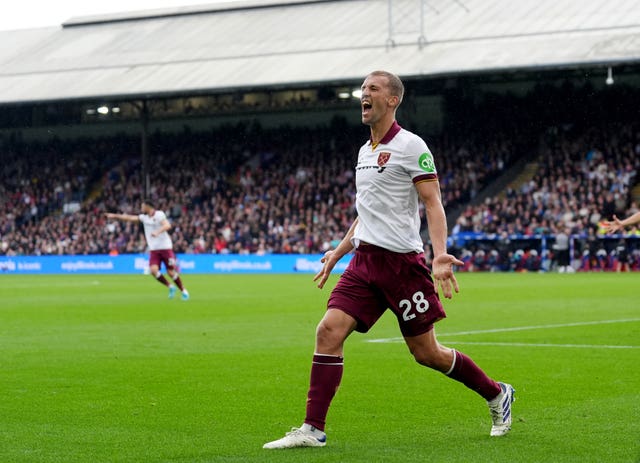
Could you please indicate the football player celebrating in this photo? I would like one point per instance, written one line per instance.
(156, 227)
(394, 172)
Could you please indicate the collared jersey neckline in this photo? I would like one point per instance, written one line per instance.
(393, 130)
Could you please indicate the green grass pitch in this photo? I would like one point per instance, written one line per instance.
(106, 369)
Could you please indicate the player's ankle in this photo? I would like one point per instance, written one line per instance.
(319, 433)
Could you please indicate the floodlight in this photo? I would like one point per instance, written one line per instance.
(609, 80)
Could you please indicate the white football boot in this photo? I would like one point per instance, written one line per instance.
(305, 436)
(500, 409)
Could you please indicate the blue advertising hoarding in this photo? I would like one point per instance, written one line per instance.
(189, 263)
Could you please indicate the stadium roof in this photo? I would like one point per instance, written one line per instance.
(256, 44)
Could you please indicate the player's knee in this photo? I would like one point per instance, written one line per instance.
(328, 335)
(325, 331)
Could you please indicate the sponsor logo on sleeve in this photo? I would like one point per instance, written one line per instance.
(426, 163)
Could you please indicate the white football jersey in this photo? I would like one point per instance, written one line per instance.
(386, 199)
(151, 224)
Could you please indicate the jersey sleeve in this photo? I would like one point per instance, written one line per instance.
(419, 161)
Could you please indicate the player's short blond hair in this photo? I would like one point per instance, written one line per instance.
(396, 87)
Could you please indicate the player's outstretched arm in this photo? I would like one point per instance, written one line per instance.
(617, 225)
(331, 258)
(613, 226)
(125, 217)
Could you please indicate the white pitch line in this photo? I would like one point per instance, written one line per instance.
(524, 344)
(517, 328)
(541, 327)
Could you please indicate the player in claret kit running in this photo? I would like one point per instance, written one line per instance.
(156, 228)
(394, 172)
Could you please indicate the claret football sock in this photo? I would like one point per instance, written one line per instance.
(468, 373)
(161, 278)
(178, 282)
(326, 374)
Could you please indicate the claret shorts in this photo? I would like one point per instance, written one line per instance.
(377, 279)
(163, 256)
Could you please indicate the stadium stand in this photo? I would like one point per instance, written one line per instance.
(286, 190)
(275, 195)
(528, 142)
(584, 176)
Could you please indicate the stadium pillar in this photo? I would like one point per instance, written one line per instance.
(144, 147)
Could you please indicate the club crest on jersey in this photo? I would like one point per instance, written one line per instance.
(383, 158)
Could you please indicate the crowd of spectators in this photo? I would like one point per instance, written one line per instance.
(236, 189)
(247, 189)
(240, 189)
(280, 191)
(583, 178)
(467, 165)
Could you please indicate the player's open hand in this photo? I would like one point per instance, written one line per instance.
(329, 262)
(443, 273)
(613, 226)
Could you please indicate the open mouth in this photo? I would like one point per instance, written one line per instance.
(366, 106)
